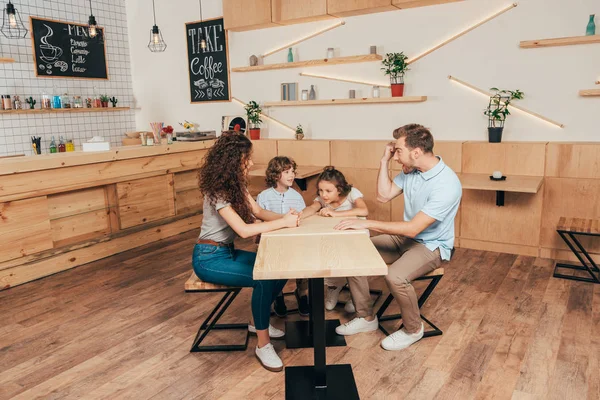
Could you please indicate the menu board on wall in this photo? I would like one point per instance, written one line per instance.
(208, 68)
(65, 49)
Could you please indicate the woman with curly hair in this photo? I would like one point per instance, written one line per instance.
(230, 211)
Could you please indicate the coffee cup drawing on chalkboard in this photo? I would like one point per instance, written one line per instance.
(201, 84)
(49, 53)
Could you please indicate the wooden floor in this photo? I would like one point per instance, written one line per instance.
(122, 327)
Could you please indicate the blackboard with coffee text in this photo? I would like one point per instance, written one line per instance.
(208, 68)
(65, 49)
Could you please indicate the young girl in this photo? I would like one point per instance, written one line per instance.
(336, 198)
(229, 211)
(280, 197)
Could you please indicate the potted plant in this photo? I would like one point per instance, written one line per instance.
(299, 132)
(104, 100)
(253, 111)
(497, 111)
(394, 65)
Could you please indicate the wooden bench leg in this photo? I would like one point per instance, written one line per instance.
(210, 323)
(435, 331)
(577, 249)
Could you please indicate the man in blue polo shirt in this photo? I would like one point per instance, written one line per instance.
(415, 246)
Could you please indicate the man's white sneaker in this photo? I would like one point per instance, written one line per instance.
(400, 339)
(331, 299)
(349, 307)
(269, 358)
(274, 333)
(357, 325)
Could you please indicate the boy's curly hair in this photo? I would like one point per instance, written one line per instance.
(332, 175)
(223, 176)
(276, 167)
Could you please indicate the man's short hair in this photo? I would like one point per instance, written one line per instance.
(416, 136)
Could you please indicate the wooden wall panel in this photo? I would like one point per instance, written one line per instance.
(511, 158)
(517, 222)
(185, 180)
(572, 198)
(241, 15)
(573, 160)
(450, 151)
(305, 152)
(188, 201)
(293, 11)
(348, 8)
(365, 180)
(531, 251)
(76, 202)
(357, 153)
(145, 200)
(24, 228)
(80, 227)
(263, 151)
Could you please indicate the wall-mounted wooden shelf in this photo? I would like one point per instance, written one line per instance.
(589, 92)
(514, 183)
(63, 110)
(6, 60)
(312, 63)
(566, 41)
(333, 102)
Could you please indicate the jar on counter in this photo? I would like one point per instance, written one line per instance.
(18, 105)
(6, 102)
(56, 102)
(70, 145)
(46, 101)
(375, 92)
(66, 101)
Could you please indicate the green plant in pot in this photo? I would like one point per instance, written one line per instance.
(253, 111)
(299, 132)
(497, 111)
(104, 100)
(395, 65)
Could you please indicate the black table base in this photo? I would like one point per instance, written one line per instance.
(300, 383)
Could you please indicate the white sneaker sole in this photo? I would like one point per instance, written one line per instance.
(272, 369)
(253, 332)
(398, 348)
(365, 330)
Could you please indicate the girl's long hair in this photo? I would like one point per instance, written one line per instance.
(222, 176)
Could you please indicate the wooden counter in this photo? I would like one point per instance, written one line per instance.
(58, 211)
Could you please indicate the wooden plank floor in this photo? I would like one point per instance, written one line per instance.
(121, 328)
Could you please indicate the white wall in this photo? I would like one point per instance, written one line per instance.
(19, 79)
(486, 57)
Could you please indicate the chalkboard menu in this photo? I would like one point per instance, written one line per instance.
(209, 68)
(65, 49)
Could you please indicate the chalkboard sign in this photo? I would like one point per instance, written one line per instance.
(209, 68)
(65, 49)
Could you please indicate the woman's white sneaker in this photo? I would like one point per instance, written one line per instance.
(332, 297)
(349, 307)
(400, 339)
(357, 325)
(274, 333)
(269, 358)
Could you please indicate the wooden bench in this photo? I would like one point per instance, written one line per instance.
(194, 284)
(567, 228)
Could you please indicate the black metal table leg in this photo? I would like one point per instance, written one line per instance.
(500, 198)
(320, 381)
(587, 264)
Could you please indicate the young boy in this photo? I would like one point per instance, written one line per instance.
(280, 198)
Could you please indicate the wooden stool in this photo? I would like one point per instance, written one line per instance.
(434, 277)
(567, 229)
(194, 284)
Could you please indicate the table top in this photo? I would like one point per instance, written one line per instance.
(302, 172)
(513, 183)
(316, 250)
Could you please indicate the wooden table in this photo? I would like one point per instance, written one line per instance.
(315, 251)
(513, 183)
(302, 173)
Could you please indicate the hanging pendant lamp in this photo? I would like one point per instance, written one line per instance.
(202, 41)
(156, 44)
(12, 25)
(92, 24)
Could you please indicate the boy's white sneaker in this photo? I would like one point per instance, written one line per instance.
(274, 333)
(332, 297)
(400, 339)
(269, 358)
(349, 307)
(357, 325)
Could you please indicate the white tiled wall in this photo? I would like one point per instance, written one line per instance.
(19, 79)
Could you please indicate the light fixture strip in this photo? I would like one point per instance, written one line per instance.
(385, 85)
(287, 46)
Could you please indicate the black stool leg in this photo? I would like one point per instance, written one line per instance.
(589, 268)
(206, 326)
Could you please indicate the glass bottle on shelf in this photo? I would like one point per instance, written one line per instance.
(290, 55)
(46, 101)
(52, 145)
(61, 145)
(56, 99)
(77, 102)
(70, 146)
(590, 29)
(66, 101)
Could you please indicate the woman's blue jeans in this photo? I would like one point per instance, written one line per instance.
(231, 267)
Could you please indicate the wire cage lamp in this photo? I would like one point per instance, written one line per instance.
(157, 43)
(12, 25)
